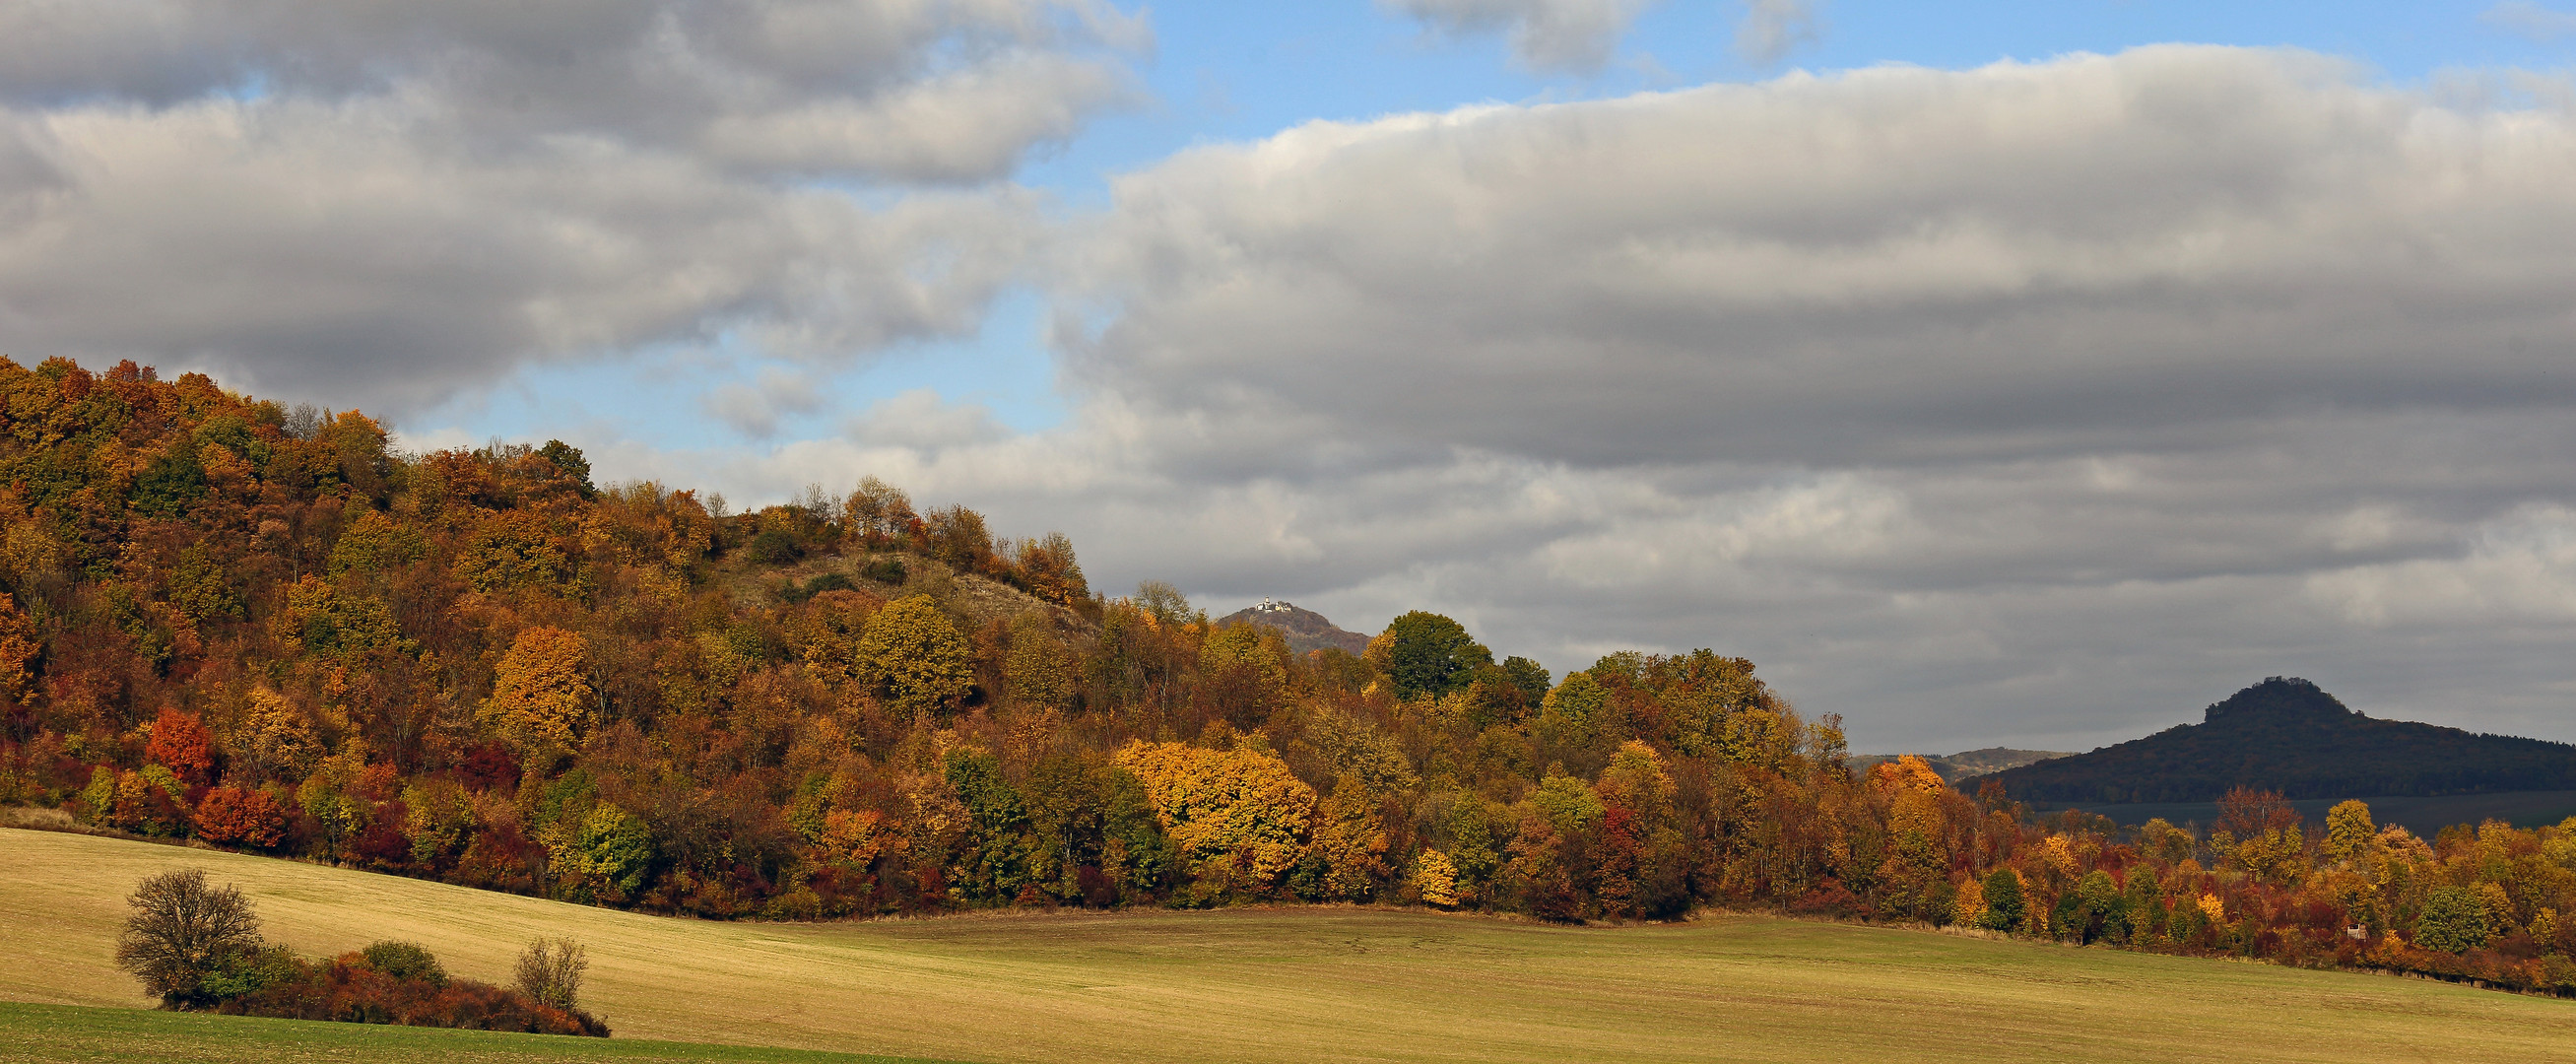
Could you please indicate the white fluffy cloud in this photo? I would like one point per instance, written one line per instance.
(382, 203)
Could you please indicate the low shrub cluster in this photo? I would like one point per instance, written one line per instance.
(352, 988)
(198, 947)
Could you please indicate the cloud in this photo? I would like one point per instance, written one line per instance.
(1890, 265)
(1771, 29)
(386, 203)
(909, 91)
(754, 409)
(921, 420)
(2042, 402)
(1569, 35)
(2523, 18)
(2520, 567)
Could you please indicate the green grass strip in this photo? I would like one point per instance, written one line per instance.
(74, 1034)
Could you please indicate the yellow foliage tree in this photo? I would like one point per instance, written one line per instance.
(1636, 778)
(18, 649)
(1240, 671)
(1239, 814)
(1435, 879)
(272, 738)
(911, 649)
(375, 543)
(829, 634)
(2348, 830)
(1906, 773)
(1038, 668)
(1351, 841)
(541, 702)
(321, 619)
(1969, 908)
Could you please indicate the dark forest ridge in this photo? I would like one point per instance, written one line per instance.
(2285, 734)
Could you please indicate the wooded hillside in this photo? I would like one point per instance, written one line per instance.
(260, 628)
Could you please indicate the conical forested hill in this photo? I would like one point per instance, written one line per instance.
(1305, 630)
(2286, 735)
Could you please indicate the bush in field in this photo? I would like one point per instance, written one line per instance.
(550, 972)
(405, 960)
(401, 983)
(184, 934)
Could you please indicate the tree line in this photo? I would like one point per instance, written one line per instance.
(263, 628)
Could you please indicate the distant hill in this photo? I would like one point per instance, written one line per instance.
(1967, 764)
(1306, 629)
(2286, 735)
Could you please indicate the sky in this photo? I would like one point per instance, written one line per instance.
(2030, 374)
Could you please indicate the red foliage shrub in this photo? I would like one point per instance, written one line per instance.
(181, 743)
(144, 808)
(486, 767)
(1828, 898)
(383, 842)
(241, 817)
(1098, 890)
(345, 989)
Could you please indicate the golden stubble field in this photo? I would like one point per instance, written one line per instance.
(1304, 984)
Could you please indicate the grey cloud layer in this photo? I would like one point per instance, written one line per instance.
(2039, 403)
(1875, 267)
(384, 203)
(906, 89)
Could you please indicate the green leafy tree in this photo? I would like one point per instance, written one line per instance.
(405, 960)
(172, 482)
(2006, 906)
(200, 588)
(568, 459)
(617, 847)
(2454, 919)
(999, 857)
(1572, 714)
(1531, 677)
(1427, 653)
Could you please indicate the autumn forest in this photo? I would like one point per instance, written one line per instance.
(265, 629)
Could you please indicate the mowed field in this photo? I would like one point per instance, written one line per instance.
(80, 1034)
(1300, 984)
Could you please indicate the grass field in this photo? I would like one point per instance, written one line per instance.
(1301, 984)
(74, 1033)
